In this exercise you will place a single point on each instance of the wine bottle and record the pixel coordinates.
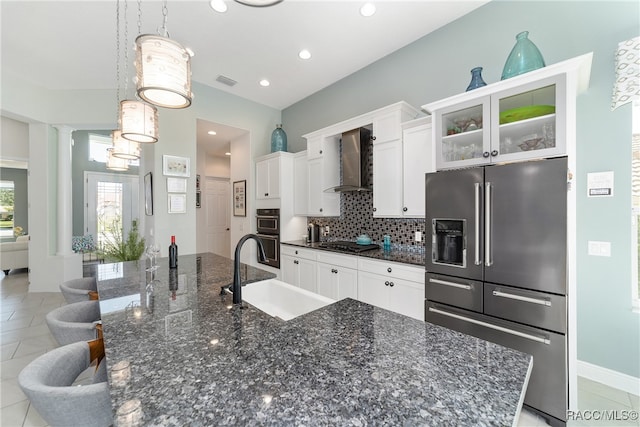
(173, 253)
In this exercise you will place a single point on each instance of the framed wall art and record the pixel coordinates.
(148, 194)
(177, 203)
(240, 198)
(176, 185)
(175, 166)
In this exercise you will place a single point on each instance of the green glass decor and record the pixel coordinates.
(278, 139)
(524, 57)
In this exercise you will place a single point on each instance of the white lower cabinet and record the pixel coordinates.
(395, 287)
(298, 267)
(337, 276)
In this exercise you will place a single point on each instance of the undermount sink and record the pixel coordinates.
(282, 300)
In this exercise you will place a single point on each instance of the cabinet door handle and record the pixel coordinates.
(494, 153)
(488, 262)
(320, 151)
(485, 154)
(266, 194)
(320, 209)
(404, 209)
(374, 209)
(389, 270)
(386, 283)
(295, 261)
(373, 138)
(452, 284)
(391, 284)
(296, 252)
(522, 298)
(543, 340)
(476, 248)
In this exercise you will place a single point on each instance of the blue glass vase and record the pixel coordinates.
(524, 57)
(476, 79)
(278, 139)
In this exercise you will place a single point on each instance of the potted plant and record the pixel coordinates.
(116, 248)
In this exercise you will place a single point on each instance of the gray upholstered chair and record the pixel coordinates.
(74, 322)
(79, 289)
(48, 383)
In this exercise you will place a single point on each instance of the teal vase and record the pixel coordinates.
(476, 79)
(278, 139)
(524, 57)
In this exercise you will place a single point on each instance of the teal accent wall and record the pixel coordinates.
(20, 198)
(438, 66)
(80, 164)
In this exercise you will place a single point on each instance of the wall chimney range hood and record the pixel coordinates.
(354, 161)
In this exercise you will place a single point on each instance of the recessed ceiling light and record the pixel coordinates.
(368, 9)
(264, 82)
(259, 3)
(218, 5)
(227, 153)
(212, 132)
(304, 54)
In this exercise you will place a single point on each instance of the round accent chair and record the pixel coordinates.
(76, 290)
(48, 382)
(74, 322)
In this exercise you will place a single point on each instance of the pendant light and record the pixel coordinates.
(163, 69)
(124, 148)
(138, 120)
(116, 163)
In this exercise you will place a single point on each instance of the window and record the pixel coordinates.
(6, 209)
(98, 145)
(635, 205)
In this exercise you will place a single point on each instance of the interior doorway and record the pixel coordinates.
(218, 218)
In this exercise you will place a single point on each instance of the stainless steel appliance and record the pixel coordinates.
(313, 233)
(268, 230)
(347, 246)
(497, 265)
(354, 161)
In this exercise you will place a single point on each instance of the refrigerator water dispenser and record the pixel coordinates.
(449, 242)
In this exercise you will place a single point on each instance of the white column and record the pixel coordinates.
(65, 214)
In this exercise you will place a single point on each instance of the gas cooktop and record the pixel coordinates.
(347, 246)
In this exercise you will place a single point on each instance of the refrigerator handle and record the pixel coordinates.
(478, 261)
(487, 226)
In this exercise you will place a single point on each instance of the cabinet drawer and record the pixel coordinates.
(392, 269)
(539, 309)
(455, 291)
(298, 252)
(337, 260)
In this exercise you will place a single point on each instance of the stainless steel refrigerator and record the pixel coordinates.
(497, 265)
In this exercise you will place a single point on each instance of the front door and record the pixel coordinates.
(110, 199)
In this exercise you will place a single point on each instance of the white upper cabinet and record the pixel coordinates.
(399, 167)
(268, 177)
(417, 160)
(525, 117)
(323, 172)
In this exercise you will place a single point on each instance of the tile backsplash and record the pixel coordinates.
(356, 217)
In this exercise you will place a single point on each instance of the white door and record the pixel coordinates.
(111, 203)
(218, 222)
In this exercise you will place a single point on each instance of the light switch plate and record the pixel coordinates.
(599, 248)
(418, 236)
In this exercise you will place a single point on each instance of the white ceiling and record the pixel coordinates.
(72, 44)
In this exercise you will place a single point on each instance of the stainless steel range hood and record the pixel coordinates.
(354, 159)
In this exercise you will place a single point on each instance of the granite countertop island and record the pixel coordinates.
(196, 360)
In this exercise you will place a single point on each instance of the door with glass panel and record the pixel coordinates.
(111, 204)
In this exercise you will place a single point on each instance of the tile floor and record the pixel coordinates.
(24, 335)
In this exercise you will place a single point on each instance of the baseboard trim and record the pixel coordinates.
(609, 377)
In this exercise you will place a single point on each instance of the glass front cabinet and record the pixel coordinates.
(524, 122)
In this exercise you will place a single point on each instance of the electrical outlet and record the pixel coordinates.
(418, 236)
(326, 229)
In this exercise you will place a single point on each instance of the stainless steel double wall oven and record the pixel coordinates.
(268, 230)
